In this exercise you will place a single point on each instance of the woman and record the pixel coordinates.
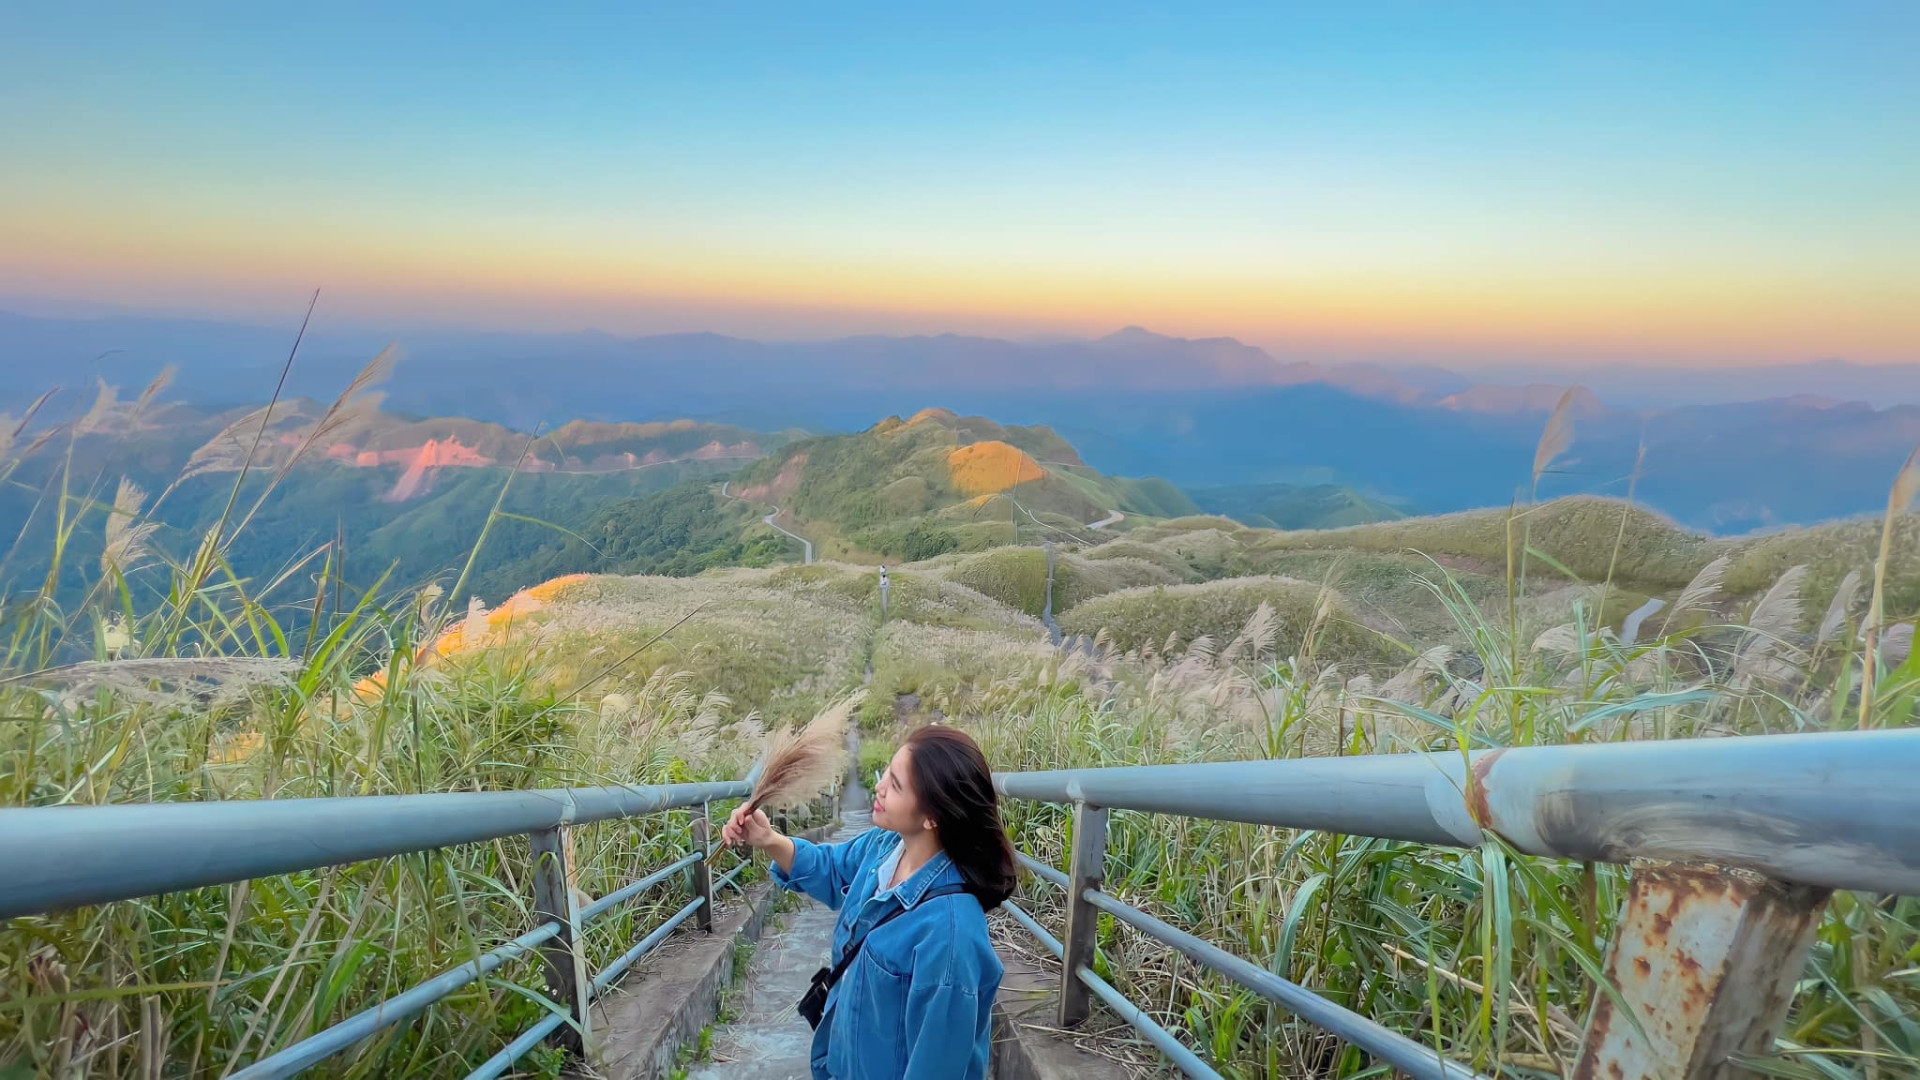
(916, 1000)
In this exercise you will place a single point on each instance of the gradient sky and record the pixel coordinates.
(1699, 182)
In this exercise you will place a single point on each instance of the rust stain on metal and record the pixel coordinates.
(1705, 958)
(1477, 789)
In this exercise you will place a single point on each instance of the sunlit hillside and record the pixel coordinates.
(167, 674)
(939, 482)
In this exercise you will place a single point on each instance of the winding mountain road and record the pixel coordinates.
(1114, 518)
(804, 542)
(726, 491)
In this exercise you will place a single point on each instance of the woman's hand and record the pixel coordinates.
(753, 829)
(756, 831)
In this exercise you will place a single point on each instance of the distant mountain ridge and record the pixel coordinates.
(219, 358)
(405, 495)
(365, 436)
(1200, 412)
(1532, 398)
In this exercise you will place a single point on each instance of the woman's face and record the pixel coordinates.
(896, 806)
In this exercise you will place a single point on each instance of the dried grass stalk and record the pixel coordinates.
(1202, 649)
(1906, 486)
(11, 429)
(1767, 654)
(127, 535)
(581, 897)
(170, 680)
(99, 418)
(1896, 645)
(1778, 613)
(1255, 639)
(1563, 639)
(160, 382)
(1703, 588)
(1836, 617)
(358, 401)
(800, 765)
(227, 451)
(1557, 437)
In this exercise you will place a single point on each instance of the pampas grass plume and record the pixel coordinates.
(1557, 437)
(799, 765)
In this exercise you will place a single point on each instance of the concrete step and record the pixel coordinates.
(767, 1040)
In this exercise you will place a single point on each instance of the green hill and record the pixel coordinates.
(675, 533)
(939, 482)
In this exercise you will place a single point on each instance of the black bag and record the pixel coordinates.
(814, 1004)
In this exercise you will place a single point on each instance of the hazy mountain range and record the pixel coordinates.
(1206, 412)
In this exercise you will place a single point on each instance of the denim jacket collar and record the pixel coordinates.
(940, 870)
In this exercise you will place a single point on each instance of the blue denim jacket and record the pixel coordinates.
(918, 1001)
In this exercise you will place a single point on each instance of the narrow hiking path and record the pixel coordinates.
(1076, 643)
(1046, 613)
(726, 491)
(766, 1039)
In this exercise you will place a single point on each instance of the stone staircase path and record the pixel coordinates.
(766, 1039)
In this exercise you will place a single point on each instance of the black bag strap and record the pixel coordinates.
(853, 950)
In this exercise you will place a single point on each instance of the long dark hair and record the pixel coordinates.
(955, 789)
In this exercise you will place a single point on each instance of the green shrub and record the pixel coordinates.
(876, 752)
(912, 541)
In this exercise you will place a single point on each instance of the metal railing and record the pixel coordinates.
(1735, 845)
(64, 857)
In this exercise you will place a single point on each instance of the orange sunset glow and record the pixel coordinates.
(1533, 195)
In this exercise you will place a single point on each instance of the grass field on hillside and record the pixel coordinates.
(1366, 922)
(1017, 577)
(182, 680)
(174, 678)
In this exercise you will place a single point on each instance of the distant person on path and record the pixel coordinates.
(916, 970)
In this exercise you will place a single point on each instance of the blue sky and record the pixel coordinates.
(1701, 182)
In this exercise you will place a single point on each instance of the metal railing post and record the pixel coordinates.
(1705, 958)
(703, 870)
(1087, 870)
(1049, 608)
(566, 961)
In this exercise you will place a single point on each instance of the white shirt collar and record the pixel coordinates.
(885, 871)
